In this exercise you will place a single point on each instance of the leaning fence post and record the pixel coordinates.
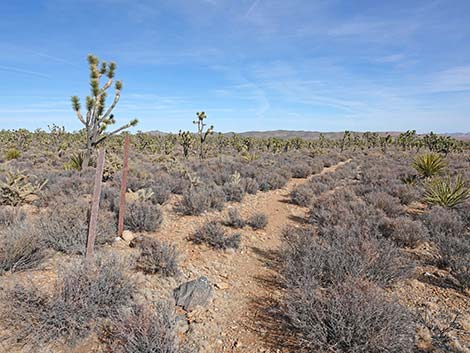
(95, 205)
(122, 196)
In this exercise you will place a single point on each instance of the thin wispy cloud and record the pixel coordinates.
(393, 58)
(252, 7)
(19, 70)
(454, 79)
(53, 58)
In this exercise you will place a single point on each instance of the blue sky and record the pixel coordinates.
(325, 65)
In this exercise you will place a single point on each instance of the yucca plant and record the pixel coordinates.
(76, 162)
(12, 153)
(445, 191)
(429, 164)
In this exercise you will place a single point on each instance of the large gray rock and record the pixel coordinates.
(193, 293)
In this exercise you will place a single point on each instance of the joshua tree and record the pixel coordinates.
(322, 140)
(97, 118)
(201, 133)
(385, 141)
(407, 139)
(346, 140)
(440, 144)
(186, 140)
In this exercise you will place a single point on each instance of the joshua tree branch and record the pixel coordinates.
(112, 106)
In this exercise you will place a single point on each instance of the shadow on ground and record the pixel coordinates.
(268, 319)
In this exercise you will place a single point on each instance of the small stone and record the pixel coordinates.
(182, 324)
(222, 285)
(194, 293)
(128, 235)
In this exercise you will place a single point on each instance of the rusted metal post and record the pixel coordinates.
(122, 196)
(95, 205)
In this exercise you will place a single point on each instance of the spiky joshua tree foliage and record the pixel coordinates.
(98, 117)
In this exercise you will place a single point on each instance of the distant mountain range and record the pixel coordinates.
(313, 135)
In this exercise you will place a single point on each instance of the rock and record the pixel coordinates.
(128, 235)
(221, 285)
(194, 293)
(182, 324)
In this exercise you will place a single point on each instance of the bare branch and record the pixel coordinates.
(112, 106)
(104, 137)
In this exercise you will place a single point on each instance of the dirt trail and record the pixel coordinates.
(244, 280)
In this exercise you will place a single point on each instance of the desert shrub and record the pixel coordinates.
(302, 195)
(340, 209)
(445, 191)
(329, 260)
(385, 202)
(406, 193)
(64, 227)
(257, 221)
(454, 253)
(142, 216)
(321, 183)
(448, 231)
(346, 171)
(463, 211)
(110, 198)
(69, 183)
(179, 184)
(405, 231)
(301, 170)
(83, 293)
(443, 223)
(353, 317)
(199, 199)
(233, 192)
(161, 189)
(10, 215)
(271, 180)
(328, 161)
(136, 180)
(20, 247)
(213, 234)
(196, 200)
(156, 257)
(161, 193)
(142, 330)
(234, 219)
(409, 179)
(250, 185)
(217, 198)
(12, 153)
(429, 164)
(315, 167)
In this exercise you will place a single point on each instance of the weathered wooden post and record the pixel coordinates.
(122, 196)
(95, 205)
